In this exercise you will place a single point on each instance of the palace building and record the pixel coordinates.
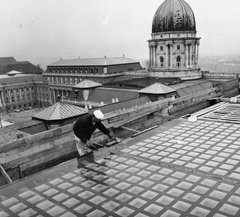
(66, 73)
(22, 91)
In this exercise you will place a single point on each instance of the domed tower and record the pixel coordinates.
(174, 47)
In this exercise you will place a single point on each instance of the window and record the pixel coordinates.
(161, 62)
(178, 47)
(178, 61)
(161, 48)
(193, 59)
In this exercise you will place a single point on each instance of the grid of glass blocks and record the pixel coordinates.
(124, 186)
(207, 147)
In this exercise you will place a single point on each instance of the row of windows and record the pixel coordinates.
(162, 47)
(178, 61)
(62, 80)
(19, 89)
(28, 97)
(73, 70)
(18, 99)
(24, 106)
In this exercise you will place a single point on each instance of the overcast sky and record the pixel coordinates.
(43, 31)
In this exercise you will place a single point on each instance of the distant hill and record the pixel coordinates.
(220, 64)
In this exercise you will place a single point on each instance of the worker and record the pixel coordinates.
(83, 129)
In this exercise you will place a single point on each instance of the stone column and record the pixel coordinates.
(153, 62)
(186, 54)
(190, 59)
(153, 48)
(54, 96)
(3, 99)
(50, 95)
(1, 104)
(15, 95)
(156, 60)
(25, 91)
(9, 96)
(166, 54)
(197, 52)
(150, 56)
(171, 54)
(30, 90)
(20, 92)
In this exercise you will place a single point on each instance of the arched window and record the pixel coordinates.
(193, 57)
(161, 62)
(178, 61)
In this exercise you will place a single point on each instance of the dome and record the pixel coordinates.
(173, 15)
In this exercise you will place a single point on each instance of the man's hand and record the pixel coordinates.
(111, 136)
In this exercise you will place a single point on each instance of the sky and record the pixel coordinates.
(43, 31)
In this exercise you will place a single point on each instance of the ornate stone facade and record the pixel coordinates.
(174, 47)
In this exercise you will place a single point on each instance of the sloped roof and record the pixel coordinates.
(59, 111)
(19, 78)
(140, 82)
(106, 95)
(125, 104)
(24, 66)
(87, 84)
(94, 61)
(157, 88)
(7, 60)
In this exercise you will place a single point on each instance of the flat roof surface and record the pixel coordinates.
(94, 61)
(181, 168)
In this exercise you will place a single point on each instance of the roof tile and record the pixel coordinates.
(157, 88)
(87, 84)
(60, 111)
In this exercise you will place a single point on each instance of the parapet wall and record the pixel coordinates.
(19, 155)
(28, 155)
